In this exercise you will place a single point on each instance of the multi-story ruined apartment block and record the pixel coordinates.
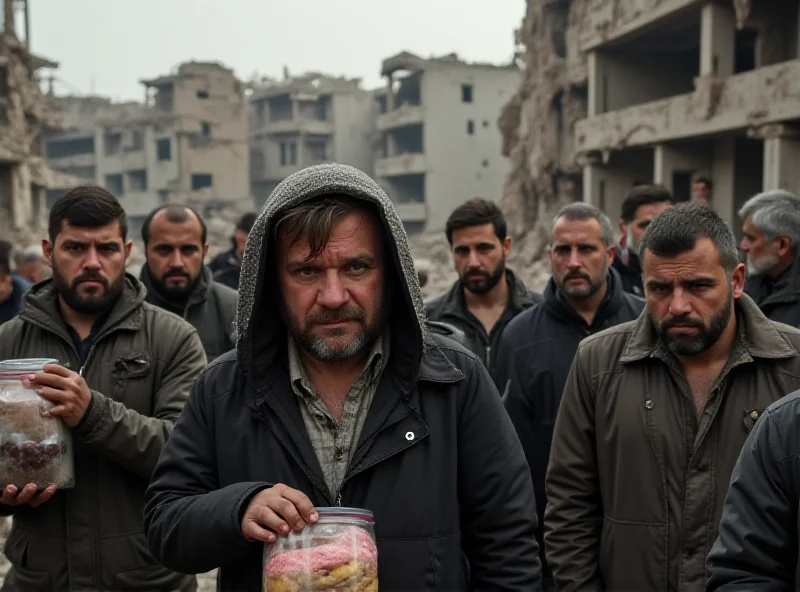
(439, 144)
(682, 88)
(307, 120)
(188, 142)
(25, 114)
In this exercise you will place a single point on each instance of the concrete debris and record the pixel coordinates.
(537, 123)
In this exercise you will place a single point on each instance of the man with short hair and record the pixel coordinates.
(178, 280)
(31, 265)
(639, 208)
(338, 396)
(124, 371)
(584, 296)
(226, 266)
(771, 235)
(12, 287)
(702, 191)
(487, 294)
(655, 412)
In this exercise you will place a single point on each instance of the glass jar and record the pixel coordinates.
(35, 447)
(336, 553)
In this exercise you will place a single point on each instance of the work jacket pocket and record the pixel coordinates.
(21, 578)
(632, 555)
(132, 380)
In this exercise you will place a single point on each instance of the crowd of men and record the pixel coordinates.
(627, 429)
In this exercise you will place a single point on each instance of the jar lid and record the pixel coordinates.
(337, 512)
(25, 365)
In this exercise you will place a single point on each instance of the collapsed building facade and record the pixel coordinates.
(187, 143)
(620, 92)
(26, 113)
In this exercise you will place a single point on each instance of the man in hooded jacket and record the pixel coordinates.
(338, 395)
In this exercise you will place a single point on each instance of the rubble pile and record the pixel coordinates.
(537, 123)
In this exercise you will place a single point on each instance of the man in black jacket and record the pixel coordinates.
(641, 205)
(487, 295)
(226, 266)
(178, 280)
(759, 535)
(339, 395)
(583, 296)
(771, 235)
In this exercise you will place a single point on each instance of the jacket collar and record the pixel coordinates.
(557, 306)
(199, 295)
(786, 287)
(519, 297)
(40, 307)
(757, 335)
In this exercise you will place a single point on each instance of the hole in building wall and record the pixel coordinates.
(470, 127)
(202, 94)
(466, 93)
(745, 58)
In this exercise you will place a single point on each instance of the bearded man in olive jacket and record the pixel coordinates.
(124, 372)
(655, 412)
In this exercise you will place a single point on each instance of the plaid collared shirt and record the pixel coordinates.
(335, 442)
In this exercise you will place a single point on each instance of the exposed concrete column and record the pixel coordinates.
(594, 181)
(301, 150)
(664, 164)
(781, 157)
(723, 176)
(389, 93)
(294, 107)
(717, 40)
(595, 76)
(21, 202)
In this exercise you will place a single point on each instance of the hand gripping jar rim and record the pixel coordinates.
(337, 514)
(14, 368)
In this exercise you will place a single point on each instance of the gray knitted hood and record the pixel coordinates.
(260, 326)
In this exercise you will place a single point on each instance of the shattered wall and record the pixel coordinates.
(538, 123)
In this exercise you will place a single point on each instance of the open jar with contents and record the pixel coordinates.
(35, 447)
(336, 553)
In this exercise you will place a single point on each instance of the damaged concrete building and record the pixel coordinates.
(618, 92)
(306, 120)
(188, 142)
(438, 144)
(26, 113)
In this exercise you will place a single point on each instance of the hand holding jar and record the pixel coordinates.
(277, 510)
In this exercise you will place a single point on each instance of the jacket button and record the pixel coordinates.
(409, 436)
(754, 415)
(649, 404)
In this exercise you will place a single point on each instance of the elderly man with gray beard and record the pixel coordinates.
(771, 234)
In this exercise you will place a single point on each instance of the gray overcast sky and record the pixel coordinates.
(109, 45)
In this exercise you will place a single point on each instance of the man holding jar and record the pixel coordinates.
(339, 395)
(125, 370)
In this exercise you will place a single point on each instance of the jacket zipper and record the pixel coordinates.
(88, 357)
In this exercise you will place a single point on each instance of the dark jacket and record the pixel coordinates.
(636, 480)
(142, 366)
(437, 462)
(536, 353)
(451, 308)
(211, 309)
(11, 307)
(759, 533)
(225, 268)
(630, 272)
(779, 298)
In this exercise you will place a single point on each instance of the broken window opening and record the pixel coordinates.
(288, 153)
(205, 129)
(202, 181)
(470, 127)
(61, 148)
(137, 180)
(112, 144)
(136, 141)
(202, 94)
(113, 184)
(745, 59)
(466, 93)
(317, 151)
(163, 195)
(164, 149)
